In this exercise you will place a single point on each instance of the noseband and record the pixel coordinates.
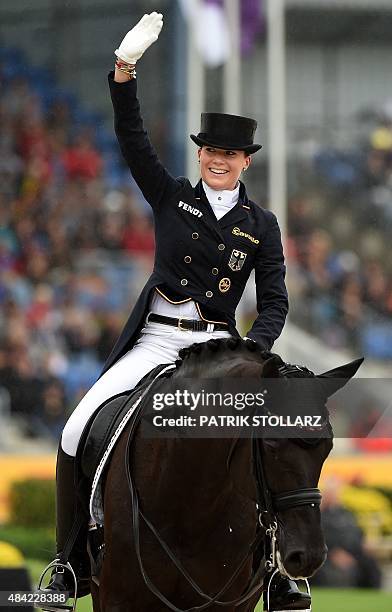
(298, 497)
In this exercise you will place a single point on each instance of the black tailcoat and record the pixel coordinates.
(198, 257)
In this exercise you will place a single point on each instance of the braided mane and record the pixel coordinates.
(191, 356)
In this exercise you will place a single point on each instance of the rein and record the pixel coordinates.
(268, 504)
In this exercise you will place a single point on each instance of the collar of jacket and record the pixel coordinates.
(235, 215)
(224, 198)
(242, 197)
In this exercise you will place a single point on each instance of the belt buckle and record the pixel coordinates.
(180, 319)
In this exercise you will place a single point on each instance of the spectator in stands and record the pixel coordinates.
(350, 309)
(375, 286)
(52, 417)
(82, 160)
(138, 236)
(348, 564)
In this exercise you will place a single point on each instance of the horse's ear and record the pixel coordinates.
(345, 371)
(335, 379)
(270, 369)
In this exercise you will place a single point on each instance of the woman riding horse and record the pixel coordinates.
(208, 240)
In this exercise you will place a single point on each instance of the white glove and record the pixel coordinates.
(140, 38)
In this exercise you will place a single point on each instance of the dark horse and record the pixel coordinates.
(191, 533)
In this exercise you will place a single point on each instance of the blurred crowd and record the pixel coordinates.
(340, 225)
(73, 252)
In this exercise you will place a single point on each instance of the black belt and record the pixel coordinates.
(186, 324)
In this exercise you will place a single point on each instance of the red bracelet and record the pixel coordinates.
(128, 69)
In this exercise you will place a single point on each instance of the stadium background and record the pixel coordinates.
(76, 239)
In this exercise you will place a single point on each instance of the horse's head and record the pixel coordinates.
(289, 465)
(294, 464)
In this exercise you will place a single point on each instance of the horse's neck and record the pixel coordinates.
(220, 365)
(200, 473)
(196, 468)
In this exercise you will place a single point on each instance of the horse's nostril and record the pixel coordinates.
(295, 561)
(304, 563)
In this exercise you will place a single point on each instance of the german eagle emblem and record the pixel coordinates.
(237, 259)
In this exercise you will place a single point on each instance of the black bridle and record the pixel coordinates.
(273, 503)
(268, 504)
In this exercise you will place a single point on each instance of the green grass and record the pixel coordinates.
(323, 600)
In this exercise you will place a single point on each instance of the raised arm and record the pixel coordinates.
(155, 182)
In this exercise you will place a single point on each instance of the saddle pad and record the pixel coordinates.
(103, 423)
(101, 428)
(96, 498)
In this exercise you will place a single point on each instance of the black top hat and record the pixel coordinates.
(227, 132)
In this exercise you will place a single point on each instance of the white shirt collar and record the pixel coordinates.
(225, 198)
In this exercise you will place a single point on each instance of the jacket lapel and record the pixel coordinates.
(234, 216)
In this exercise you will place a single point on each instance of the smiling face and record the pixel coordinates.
(221, 168)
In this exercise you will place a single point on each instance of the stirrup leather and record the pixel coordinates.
(269, 590)
(55, 606)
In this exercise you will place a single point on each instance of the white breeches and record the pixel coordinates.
(157, 344)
